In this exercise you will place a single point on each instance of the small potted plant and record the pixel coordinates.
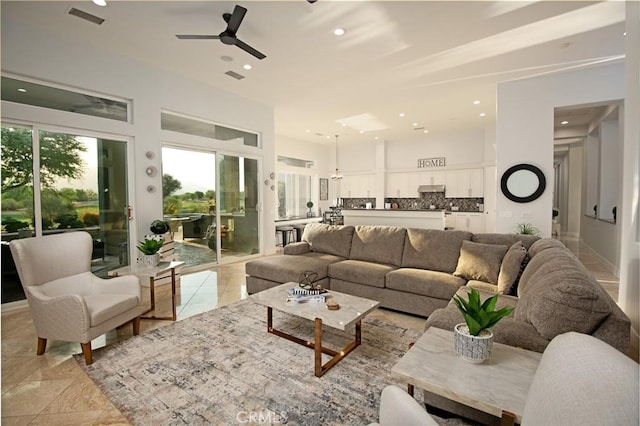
(526, 229)
(149, 248)
(473, 338)
(309, 206)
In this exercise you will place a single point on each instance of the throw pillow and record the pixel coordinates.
(480, 261)
(510, 268)
(514, 288)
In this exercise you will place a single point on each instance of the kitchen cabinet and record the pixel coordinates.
(402, 185)
(432, 178)
(464, 183)
(357, 186)
(465, 221)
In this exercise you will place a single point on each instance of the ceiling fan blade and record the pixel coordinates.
(197, 37)
(242, 45)
(236, 19)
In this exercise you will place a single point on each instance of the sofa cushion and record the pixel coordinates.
(561, 296)
(330, 239)
(427, 283)
(379, 244)
(510, 268)
(480, 261)
(285, 268)
(505, 239)
(544, 244)
(493, 288)
(433, 249)
(360, 272)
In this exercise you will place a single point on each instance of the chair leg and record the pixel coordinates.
(42, 345)
(86, 350)
(136, 326)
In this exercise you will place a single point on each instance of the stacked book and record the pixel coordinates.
(299, 295)
(167, 254)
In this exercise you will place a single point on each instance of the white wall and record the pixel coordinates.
(33, 52)
(460, 149)
(574, 198)
(524, 130)
(629, 295)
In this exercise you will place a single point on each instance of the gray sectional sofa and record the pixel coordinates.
(418, 271)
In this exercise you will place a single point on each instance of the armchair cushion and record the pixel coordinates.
(103, 307)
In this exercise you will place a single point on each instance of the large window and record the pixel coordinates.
(47, 96)
(206, 129)
(294, 192)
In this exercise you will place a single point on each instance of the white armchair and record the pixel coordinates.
(67, 301)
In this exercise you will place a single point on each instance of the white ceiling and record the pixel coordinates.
(427, 59)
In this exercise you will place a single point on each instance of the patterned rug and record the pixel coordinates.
(222, 367)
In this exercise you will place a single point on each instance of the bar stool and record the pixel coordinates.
(287, 234)
(299, 231)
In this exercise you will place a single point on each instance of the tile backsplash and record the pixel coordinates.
(437, 199)
(419, 203)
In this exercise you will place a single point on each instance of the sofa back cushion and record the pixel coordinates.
(505, 239)
(480, 261)
(560, 295)
(379, 244)
(510, 268)
(330, 239)
(543, 244)
(433, 249)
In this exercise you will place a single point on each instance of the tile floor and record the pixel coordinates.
(53, 390)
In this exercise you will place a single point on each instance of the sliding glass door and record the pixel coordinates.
(79, 182)
(210, 203)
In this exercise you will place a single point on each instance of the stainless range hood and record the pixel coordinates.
(430, 188)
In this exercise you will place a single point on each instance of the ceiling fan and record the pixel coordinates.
(228, 36)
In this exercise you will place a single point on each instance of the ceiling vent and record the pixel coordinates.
(86, 16)
(418, 128)
(234, 75)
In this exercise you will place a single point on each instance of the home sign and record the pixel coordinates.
(431, 162)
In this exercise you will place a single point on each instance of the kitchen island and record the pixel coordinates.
(424, 219)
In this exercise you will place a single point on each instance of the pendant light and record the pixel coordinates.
(337, 175)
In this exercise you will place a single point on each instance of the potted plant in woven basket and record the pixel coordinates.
(149, 248)
(473, 339)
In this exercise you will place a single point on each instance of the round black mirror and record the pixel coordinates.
(523, 183)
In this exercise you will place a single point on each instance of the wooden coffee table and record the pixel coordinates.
(352, 310)
(499, 386)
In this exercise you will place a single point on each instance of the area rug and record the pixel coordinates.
(222, 367)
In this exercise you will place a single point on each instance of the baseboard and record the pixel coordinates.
(610, 266)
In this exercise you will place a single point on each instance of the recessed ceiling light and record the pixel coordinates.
(344, 124)
(226, 58)
(247, 66)
(426, 131)
(339, 31)
(415, 124)
(308, 131)
(564, 122)
(476, 102)
(22, 90)
(100, 2)
(361, 131)
(482, 114)
(624, 33)
(376, 138)
(327, 136)
(402, 114)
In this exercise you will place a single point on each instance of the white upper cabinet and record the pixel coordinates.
(432, 178)
(402, 185)
(357, 186)
(464, 183)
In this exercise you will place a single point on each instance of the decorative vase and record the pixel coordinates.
(150, 259)
(473, 349)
